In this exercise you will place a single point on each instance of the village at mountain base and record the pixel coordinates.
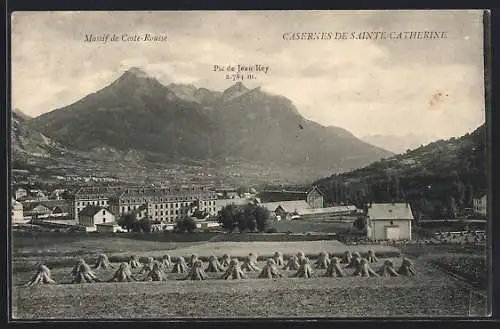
(96, 209)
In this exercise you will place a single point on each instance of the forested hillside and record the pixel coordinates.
(439, 180)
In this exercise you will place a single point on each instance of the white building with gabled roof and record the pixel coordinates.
(480, 205)
(389, 221)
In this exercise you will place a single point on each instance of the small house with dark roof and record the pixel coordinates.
(389, 221)
(92, 215)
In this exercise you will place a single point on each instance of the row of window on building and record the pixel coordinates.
(83, 204)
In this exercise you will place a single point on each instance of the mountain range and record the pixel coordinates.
(179, 123)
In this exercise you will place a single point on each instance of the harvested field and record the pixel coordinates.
(267, 249)
(155, 300)
(300, 226)
(234, 249)
(62, 275)
(428, 294)
(83, 245)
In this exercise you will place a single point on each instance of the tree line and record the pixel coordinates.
(244, 218)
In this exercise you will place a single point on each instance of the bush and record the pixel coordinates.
(272, 230)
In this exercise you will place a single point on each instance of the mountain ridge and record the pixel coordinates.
(181, 122)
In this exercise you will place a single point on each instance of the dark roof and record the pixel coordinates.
(278, 196)
(91, 210)
(479, 194)
(317, 188)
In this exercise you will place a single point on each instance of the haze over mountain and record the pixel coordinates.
(178, 123)
(398, 143)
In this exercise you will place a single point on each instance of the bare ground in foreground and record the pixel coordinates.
(430, 293)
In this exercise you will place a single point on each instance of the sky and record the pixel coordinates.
(388, 87)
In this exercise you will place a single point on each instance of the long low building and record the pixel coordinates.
(286, 209)
(329, 212)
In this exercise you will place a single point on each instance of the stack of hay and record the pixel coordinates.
(42, 276)
(123, 274)
(103, 262)
(82, 273)
(196, 272)
(323, 260)
(305, 269)
(213, 265)
(250, 263)
(292, 264)
(180, 265)
(234, 271)
(334, 269)
(156, 273)
(270, 270)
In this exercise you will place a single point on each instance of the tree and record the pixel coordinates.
(227, 217)
(252, 224)
(249, 221)
(262, 216)
(242, 220)
(145, 225)
(186, 224)
(360, 223)
(128, 221)
(249, 217)
(453, 207)
(200, 214)
(426, 208)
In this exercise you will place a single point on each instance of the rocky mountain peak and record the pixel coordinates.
(234, 91)
(137, 72)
